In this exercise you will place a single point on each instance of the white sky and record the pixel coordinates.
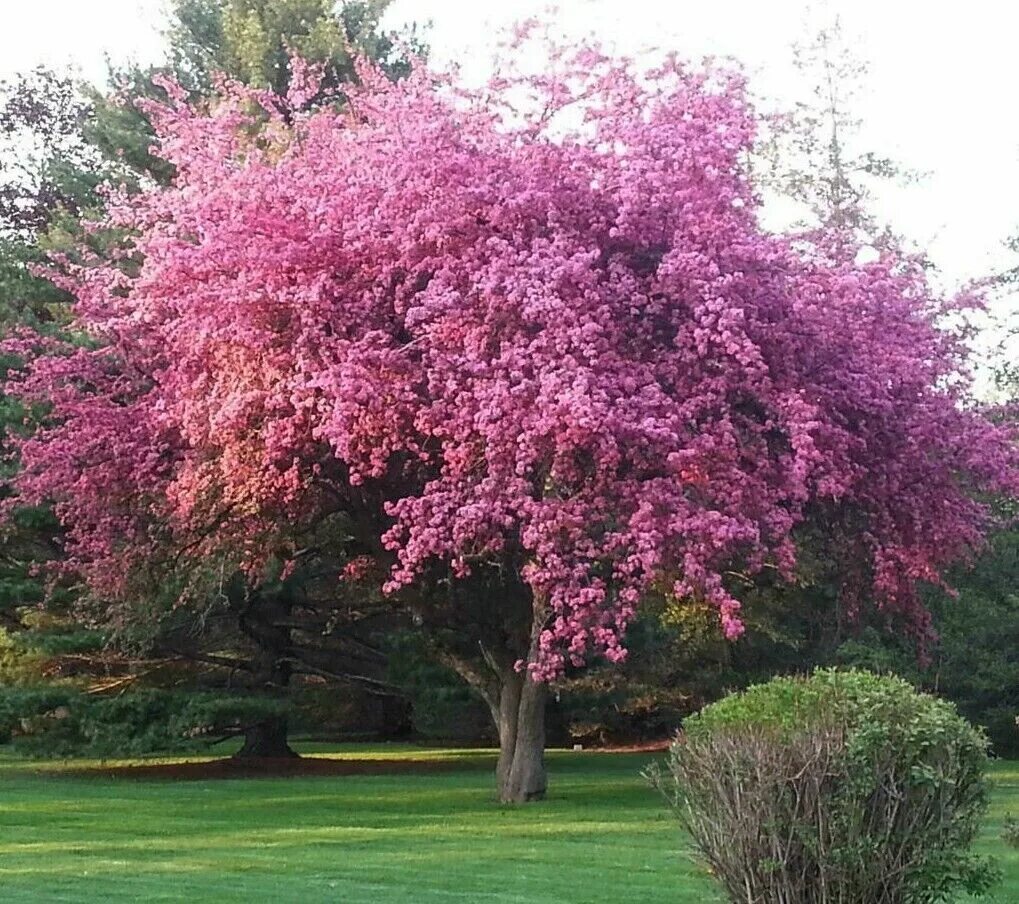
(940, 98)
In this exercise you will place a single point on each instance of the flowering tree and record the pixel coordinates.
(512, 358)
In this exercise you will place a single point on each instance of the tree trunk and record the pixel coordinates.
(397, 718)
(263, 620)
(266, 739)
(515, 700)
(520, 717)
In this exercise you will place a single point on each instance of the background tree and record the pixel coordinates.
(44, 182)
(253, 40)
(812, 155)
(250, 41)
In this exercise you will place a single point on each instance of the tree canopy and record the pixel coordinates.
(532, 334)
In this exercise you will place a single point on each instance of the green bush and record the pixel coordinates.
(842, 787)
(1010, 832)
(20, 707)
(443, 707)
(54, 721)
(18, 664)
(32, 656)
(607, 706)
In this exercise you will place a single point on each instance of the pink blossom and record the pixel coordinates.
(567, 346)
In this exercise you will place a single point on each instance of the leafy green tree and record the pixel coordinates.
(252, 40)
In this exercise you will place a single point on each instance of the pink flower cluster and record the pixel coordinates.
(555, 337)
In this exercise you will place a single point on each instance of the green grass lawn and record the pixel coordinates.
(600, 837)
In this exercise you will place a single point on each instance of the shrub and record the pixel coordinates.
(61, 721)
(842, 787)
(19, 665)
(40, 651)
(607, 706)
(23, 708)
(1010, 832)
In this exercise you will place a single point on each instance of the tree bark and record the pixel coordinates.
(263, 620)
(485, 655)
(266, 739)
(520, 717)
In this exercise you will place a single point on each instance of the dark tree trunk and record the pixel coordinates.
(520, 718)
(492, 623)
(515, 700)
(264, 620)
(397, 718)
(266, 739)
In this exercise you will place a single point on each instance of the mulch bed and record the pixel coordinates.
(644, 747)
(267, 767)
(286, 767)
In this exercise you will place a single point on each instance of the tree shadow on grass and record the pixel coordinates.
(274, 767)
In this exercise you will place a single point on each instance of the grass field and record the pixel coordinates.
(600, 837)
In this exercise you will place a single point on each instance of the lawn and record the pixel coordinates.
(600, 837)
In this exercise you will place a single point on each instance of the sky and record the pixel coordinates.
(939, 96)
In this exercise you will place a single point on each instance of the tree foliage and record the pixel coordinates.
(973, 663)
(470, 341)
(505, 361)
(253, 40)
